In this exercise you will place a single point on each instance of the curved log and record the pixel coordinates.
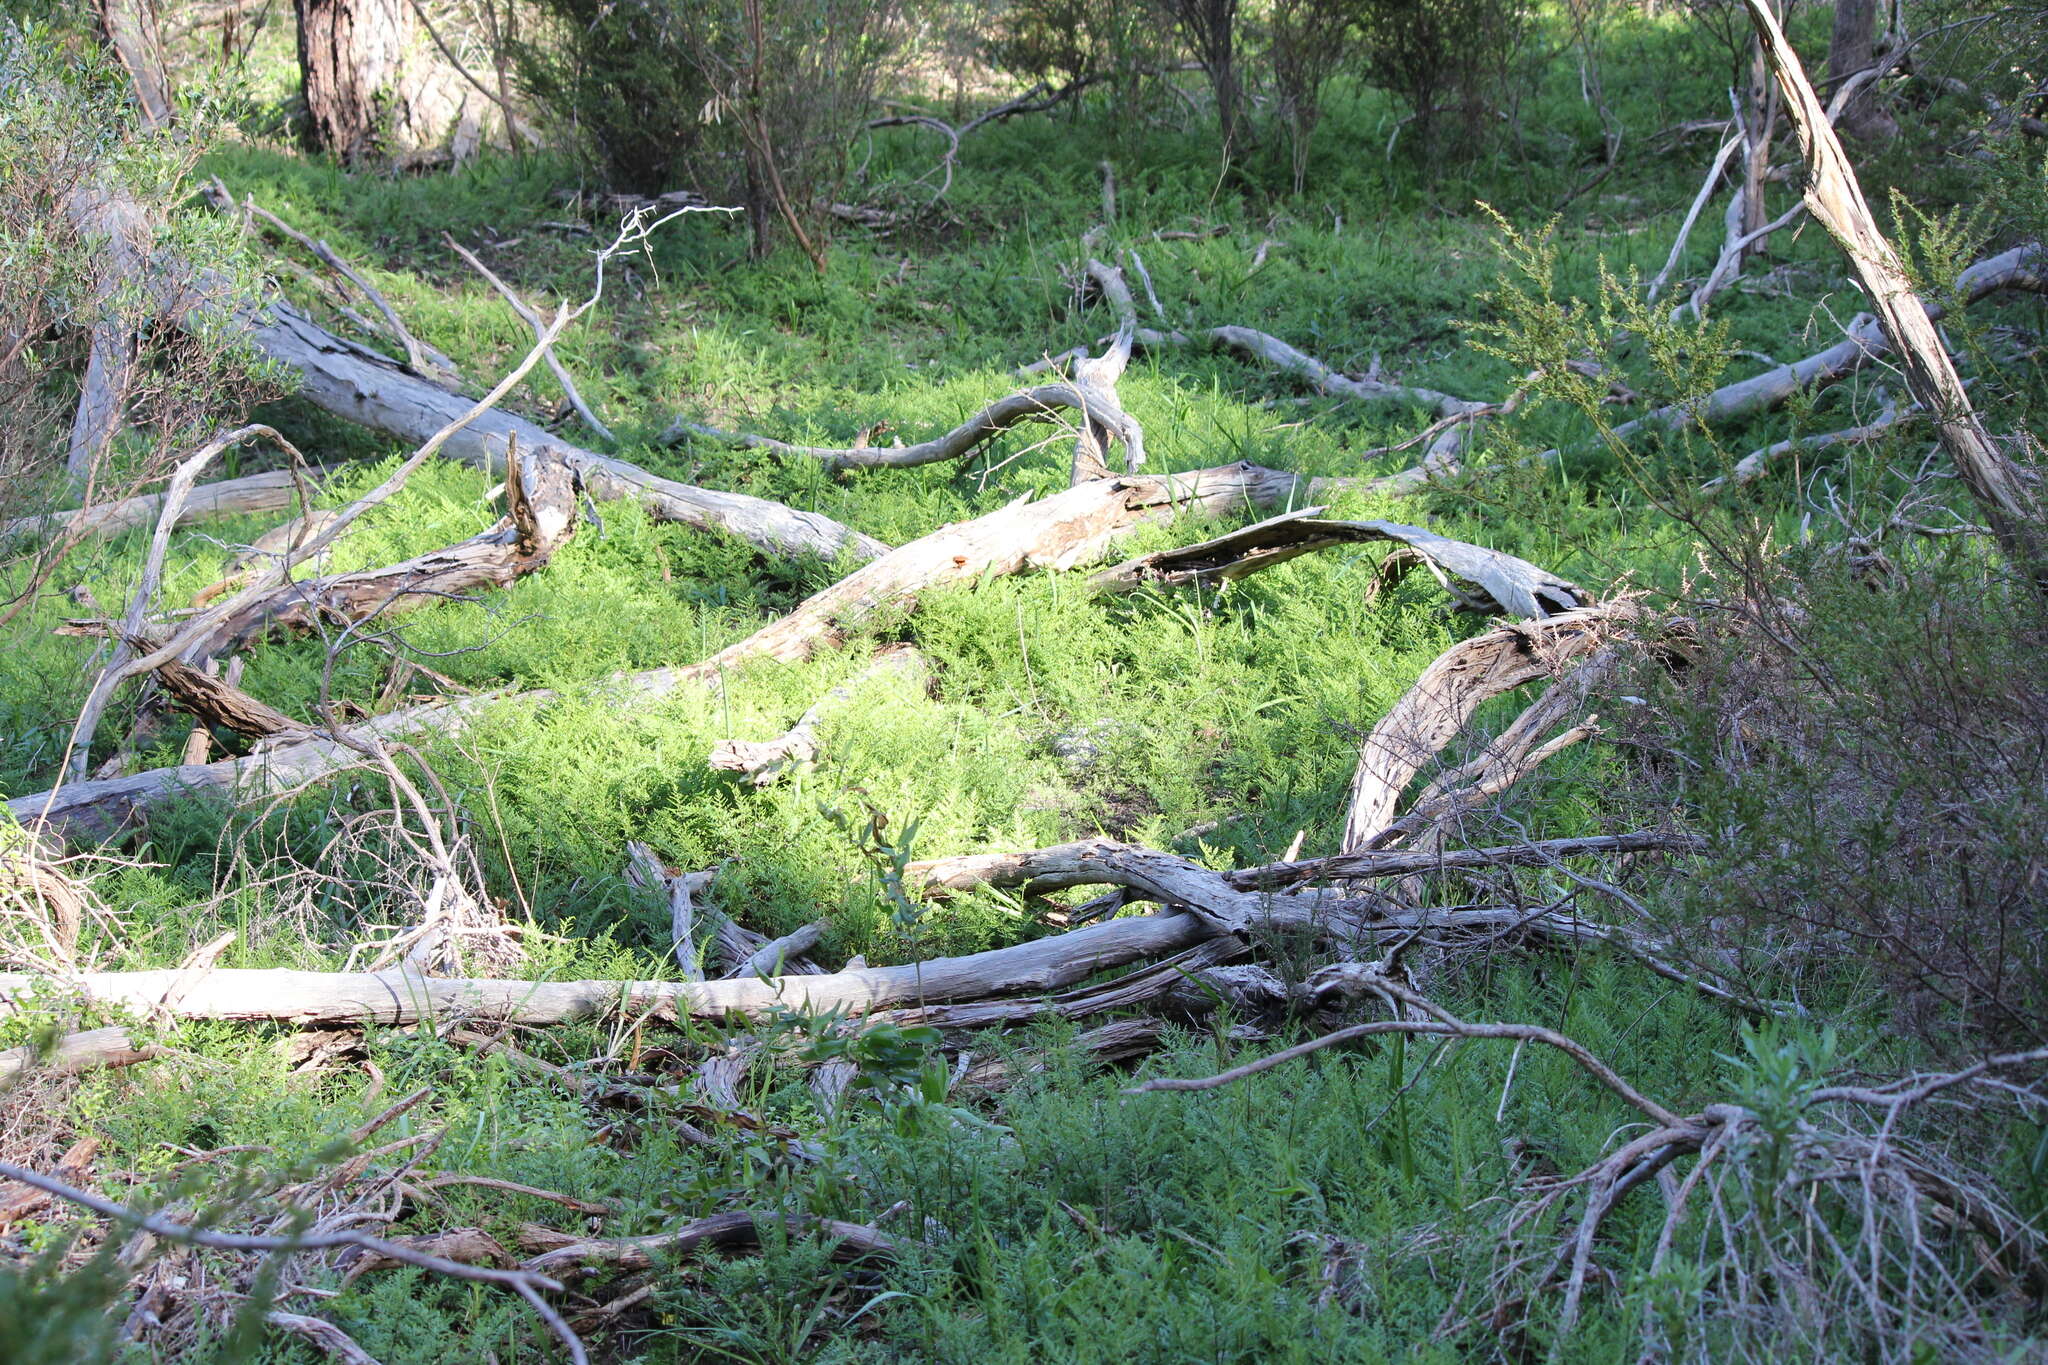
(1513, 586)
(1041, 404)
(1443, 699)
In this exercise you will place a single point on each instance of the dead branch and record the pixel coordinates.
(362, 386)
(322, 1335)
(1836, 199)
(533, 320)
(2023, 267)
(1757, 463)
(782, 955)
(1063, 531)
(1043, 403)
(403, 996)
(420, 358)
(645, 871)
(271, 491)
(527, 1283)
(1507, 584)
(1443, 699)
(540, 501)
(766, 761)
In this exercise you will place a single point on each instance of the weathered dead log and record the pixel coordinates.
(1835, 197)
(1043, 403)
(2023, 267)
(1513, 586)
(540, 502)
(1503, 761)
(1443, 699)
(766, 761)
(1128, 991)
(273, 490)
(358, 384)
(402, 996)
(75, 1052)
(1068, 529)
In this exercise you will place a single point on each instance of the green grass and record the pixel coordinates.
(1076, 1222)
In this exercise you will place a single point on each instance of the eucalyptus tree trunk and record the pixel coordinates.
(1852, 47)
(130, 30)
(350, 54)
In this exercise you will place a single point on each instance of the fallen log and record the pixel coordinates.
(540, 501)
(2023, 267)
(75, 1052)
(360, 385)
(356, 383)
(1443, 699)
(1513, 586)
(403, 996)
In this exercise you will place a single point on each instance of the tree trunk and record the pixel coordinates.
(350, 52)
(130, 29)
(1852, 48)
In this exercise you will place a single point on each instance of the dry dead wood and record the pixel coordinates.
(1442, 701)
(323, 1335)
(1069, 528)
(1371, 863)
(422, 359)
(359, 385)
(766, 761)
(1507, 584)
(2023, 267)
(273, 490)
(403, 996)
(646, 872)
(1757, 463)
(528, 1284)
(86, 1051)
(213, 699)
(533, 320)
(1121, 1040)
(1835, 197)
(1043, 403)
(1133, 989)
(540, 502)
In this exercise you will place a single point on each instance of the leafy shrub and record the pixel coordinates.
(1310, 40)
(71, 143)
(754, 101)
(1446, 59)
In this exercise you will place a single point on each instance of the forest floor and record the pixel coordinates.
(1340, 1209)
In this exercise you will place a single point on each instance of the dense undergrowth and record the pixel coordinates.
(1062, 1219)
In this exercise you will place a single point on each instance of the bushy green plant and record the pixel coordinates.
(84, 189)
(1450, 61)
(747, 101)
